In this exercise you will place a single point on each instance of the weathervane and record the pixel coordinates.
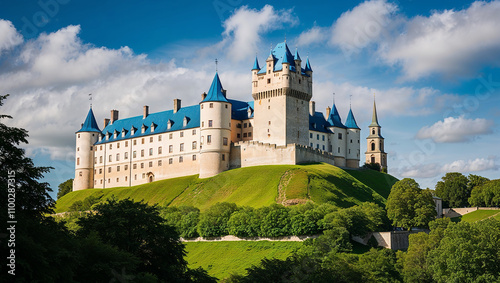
(334, 98)
(90, 98)
(216, 62)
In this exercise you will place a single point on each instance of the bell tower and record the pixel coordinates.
(375, 143)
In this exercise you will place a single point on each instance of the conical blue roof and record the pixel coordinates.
(215, 92)
(297, 56)
(90, 124)
(256, 64)
(308, 65)
(334, 118)
(351, 121)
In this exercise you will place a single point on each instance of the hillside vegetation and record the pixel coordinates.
(477, 215)
(256, 187)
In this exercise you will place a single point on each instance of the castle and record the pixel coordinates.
(280, 126)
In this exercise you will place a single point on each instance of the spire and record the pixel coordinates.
(256, 64)
(334, 119)
(351, 121)
(374, 116)
(297, 56)
(216, 91)
(308, 65)
(90, 124)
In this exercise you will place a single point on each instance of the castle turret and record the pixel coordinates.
(215, 129)
(86, 137)
(353, 145)
(375, 142)
(339, 137)
(281, 92)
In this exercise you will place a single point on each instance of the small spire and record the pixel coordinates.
(216, 63)
(308, 65)
(334, 98)
(297, 56)
(374, 115)
(256, 64)
(350, 101)
(90, 98)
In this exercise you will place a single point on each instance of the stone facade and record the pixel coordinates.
(280, 126)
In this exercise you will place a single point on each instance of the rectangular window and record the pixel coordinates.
(125, 167)
(249, 125)
(170, 160)
(150, 163)
(150, 151)
(111, 146)
(100, 171)
(323, 137)
(170, 148)
(181, 147)
(117, 157)
(142, 141)
(351, 140)
(211, 105)
(151, 139)
(311, 144)
(117, 168)
(134, 166)
(159, 162)
(194, 132)
(338, 149)
(209, 139)
(100, 159)
(109, 169)
(249, 134)
(181, 159)
(310, 135)
(181, 134)
(245, 125)
(126, 155)
(244, 135)
(117, 145)
(194, 157)
(134, 154)
(135, 142)
(210, 123)
(224, 141)
(142, 165)
(238, 126)
(223, 157)
(317, 137)
(110, 158)
(95, 160)
(170, 136)
(323, 147)
(126, 144)
(238, 136)
(194, 145)
(317, 146)
(159, 138)
(159, 150)
(142, 152)
(340, 136)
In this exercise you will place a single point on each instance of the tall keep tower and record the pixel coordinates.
(375, 143)
(215, 129)
(281, 90)
(86, 137)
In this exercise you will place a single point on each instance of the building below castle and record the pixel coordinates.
(279, 126)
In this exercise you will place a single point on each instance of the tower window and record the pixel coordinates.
(170, 136)
(77, 149)
(80, 174)
(142, 165)
(224, 141)
(317, 136)
(338, 149)
(142, 140)
(223, 157)
(151, 139)
(340, 136)
(211, 105)
(78, 135)
(181, 134)
(159, 162)
(210, 123)
(150, 163)
(78, 161)
(194, 132)
(126, 143)
(117, 168)
(310, 135)
(209, 139)
(373, 131)
(373, 146)
(117, 145)
(159, 138)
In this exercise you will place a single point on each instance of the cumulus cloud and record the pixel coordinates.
(449, 42)
(453, 129)
(364, 24)
(9, 37)
(421, 171)
(476, 165)
(244, 29)
(311, 36)
(51, 76)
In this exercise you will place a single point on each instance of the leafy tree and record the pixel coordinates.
(64, 188)
(184, 218)
(487, 194)
(275, 221)
(408, 206)
(468, 252)
(244, 223)
(379, 265)
(214, 221)
(358, 220)
(138, 229)
(454, 189)
(333, 240)
(474, 181)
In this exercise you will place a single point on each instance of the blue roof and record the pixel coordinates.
(297, 56)
(351, 121)
(256, 64)
(281, 54)
(318, 123)
(90, 124)
(334, 119)
(215, 92)
(308, 65)
(160, 119)
(239, 109)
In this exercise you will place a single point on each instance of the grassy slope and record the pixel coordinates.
(477, 215)
(256, 187)
(221, 259)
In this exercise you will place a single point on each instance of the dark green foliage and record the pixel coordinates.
(372, 166)
(487, 194)
(408, 206)
(334, 240)
(244, 223)
(87, 203)
(213, 222)
(183, 218)
(379, 265)
(138, 229)
(64, 188)
(275, 221)
(454, 190)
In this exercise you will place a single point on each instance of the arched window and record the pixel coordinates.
(373, 131)
(373, 146)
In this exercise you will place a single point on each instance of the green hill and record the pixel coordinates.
(256, 186)
(477, 215)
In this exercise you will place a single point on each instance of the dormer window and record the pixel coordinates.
(124, 132)
(153, 127)
(108, 134)
(100, 137)
(169, 124)
(185, 121)
(143, 128)
(249, 111)
(132, 130)
(115, 134)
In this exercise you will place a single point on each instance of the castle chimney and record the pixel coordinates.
(312, 107)
(328, 110)
(203, 95)
(106, 122)
(114, 115)
(145, 112)
(177, 105)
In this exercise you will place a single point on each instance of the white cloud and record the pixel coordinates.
(448, 42)
(311, 36)
(364, 24)
(456, 129)
(465, 166)
(420, 171)
(9, 37)
(243, 30)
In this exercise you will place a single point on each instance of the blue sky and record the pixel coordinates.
(434, 68)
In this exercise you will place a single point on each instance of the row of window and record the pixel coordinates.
(151, 139)
(211, 105)
(249, 134)
(142, 165)
(311, 135)
(245, 125)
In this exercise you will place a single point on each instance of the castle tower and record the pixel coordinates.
(375, 143)
(215, 129)
(353, 145)
(281, 90)
(86, 137)
(338, 143)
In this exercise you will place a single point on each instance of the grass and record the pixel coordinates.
(221, 259)
(256, 187)
(477, 215)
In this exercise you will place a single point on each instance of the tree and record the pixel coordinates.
(409, 206)
(138, 229)
(244, 223)
(474, 181)
(275, 221)
(379, 265)
(214, 221)
(64, 188)
(454, 189)
(487, 194)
